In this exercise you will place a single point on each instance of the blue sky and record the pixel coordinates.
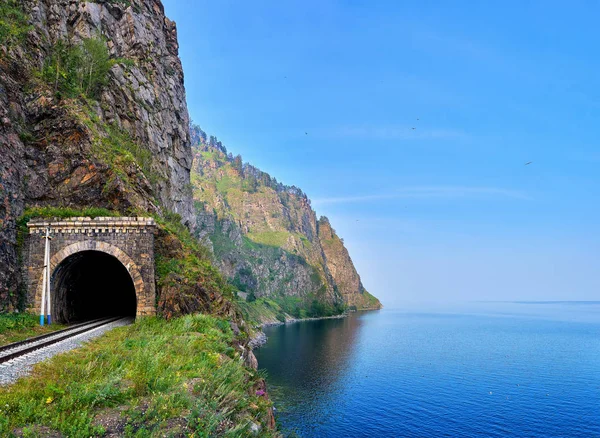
(325, 95)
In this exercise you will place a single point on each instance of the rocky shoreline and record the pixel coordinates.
(260, 338)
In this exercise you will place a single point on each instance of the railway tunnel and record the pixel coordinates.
(92, 284)
(98, 267)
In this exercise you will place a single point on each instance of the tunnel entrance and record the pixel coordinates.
(89, 285)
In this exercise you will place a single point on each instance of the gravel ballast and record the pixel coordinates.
(21, 366)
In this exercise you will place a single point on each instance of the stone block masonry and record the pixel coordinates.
(129, 239)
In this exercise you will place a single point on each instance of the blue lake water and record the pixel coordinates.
(479, 369)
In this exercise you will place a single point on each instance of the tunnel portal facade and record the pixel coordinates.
(98, 267)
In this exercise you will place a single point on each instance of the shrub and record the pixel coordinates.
(118, 148)
(16, 321)
(13, 22)
(66, 212)
(79, 69)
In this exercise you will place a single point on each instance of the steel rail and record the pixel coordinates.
(62, 335)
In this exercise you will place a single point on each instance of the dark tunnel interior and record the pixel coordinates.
(89, 285)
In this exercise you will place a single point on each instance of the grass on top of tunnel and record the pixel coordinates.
(152, 378)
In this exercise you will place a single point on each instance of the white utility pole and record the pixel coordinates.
(49, 282)
(46, 281)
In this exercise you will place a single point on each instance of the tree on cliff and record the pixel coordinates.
(79, 69)
(94, 66)
(237, 163)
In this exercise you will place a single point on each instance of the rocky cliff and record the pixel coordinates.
(119, 141)
(266, 237)
(93, 114)
(342, 269)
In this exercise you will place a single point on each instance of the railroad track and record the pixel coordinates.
(19, 349)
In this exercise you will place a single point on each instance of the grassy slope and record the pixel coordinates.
(263, 311)
(153, 378)
(370, 301)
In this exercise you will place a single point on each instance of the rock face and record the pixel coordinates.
(266, 237)
(68, 152)
(342, 269)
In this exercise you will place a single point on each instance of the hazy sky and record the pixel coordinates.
(324, 95)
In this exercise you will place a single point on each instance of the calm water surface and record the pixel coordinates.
(485, 369)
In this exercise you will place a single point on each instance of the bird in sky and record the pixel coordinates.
(528, 163)
(413, 128)
(306, 133)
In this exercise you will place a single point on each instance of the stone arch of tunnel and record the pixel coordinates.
(101, 266)
(93, 279)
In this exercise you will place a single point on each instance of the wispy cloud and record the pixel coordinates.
(428, 192)
(395, 132)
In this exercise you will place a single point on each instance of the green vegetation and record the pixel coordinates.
(125, 3)
(171, 222)
(119, 150)
(370, 301)
(190, 259)
(319, 308)
(16, 321)
(209, 156)
(152, 378)
(13, 22)
(276, 308)
(66, 212)
(222, 244)
(187, 280)
(190, 268)
(293, 306)
(114, 146)
(242, 277)
(15, 327)
(226, 183)
(313, 305)
(261, 310)
(58, 213)
(74, 70)
(250, 184)
(269, 238)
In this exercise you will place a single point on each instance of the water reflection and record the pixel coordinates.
(316, 353)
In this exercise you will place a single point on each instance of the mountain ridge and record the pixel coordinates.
(247, 217)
